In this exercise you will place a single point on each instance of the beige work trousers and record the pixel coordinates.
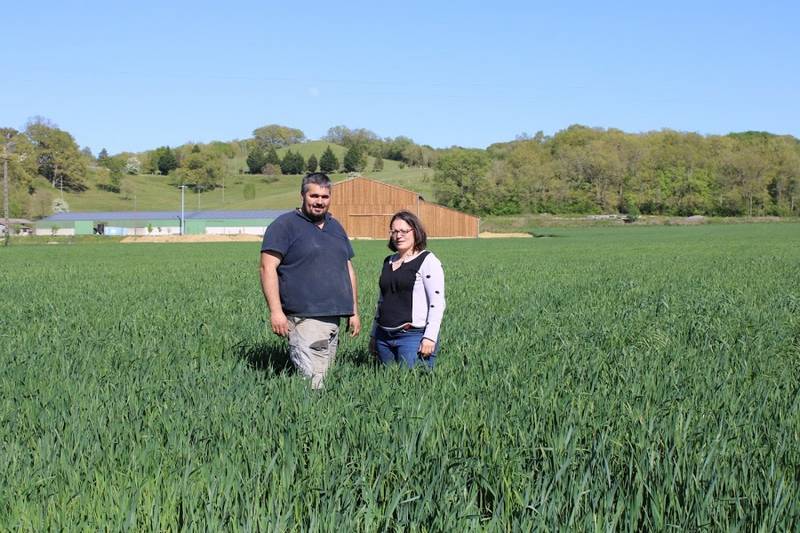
(312, 346)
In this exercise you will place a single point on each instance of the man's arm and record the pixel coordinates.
(269, 285)
(353, 322)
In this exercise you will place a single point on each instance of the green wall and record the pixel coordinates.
(84, 227)
(193, 226)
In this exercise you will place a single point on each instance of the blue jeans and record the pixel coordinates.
(402, 347)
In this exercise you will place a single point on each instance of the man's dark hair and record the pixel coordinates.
(317, 178)
(420, 237)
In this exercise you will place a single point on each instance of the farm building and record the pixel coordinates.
(157, 223)
(365, 206)
(17, 226)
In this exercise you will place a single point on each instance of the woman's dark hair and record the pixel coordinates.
(420, 237)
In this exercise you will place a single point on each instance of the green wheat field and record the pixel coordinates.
(597, 379)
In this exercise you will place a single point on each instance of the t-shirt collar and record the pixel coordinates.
(299, 212)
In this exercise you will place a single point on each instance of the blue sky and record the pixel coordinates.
(134, 76)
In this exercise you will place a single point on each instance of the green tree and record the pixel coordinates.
(256, 160)
(201, 172)
(414, 156)
(746, 169)
(593, 165)
(164, 160)
(328, 162)
(527, 172)
(311, 165)
(368, 141)
(460, 179)
(672, 173)
(355, 159)
(19, 155)
(377, 165)
(222, 149)
(784, 185)
(690, 194)
(337, 135)
(292, 163)
(287, 163)
(102, 156)
(395, 148)
(57, 154)
(277, 136)
(116, 170)
(272, 158)
(300, 163)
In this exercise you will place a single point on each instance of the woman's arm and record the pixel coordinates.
(433, 280)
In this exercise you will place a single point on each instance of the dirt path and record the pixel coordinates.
(257, 238)
(491, 235)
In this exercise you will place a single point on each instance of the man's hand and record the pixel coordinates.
(354, 325)
(426, 348)
(280, 325)
(354, 322)
(269, 285)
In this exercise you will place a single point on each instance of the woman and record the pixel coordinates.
(411, 301)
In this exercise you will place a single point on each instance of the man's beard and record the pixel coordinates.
(312, 216)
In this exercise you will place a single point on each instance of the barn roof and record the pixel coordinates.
(381, 183)
(149, 215)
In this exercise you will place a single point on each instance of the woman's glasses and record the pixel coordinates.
(396, 232)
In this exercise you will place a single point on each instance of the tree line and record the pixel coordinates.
(577, 170)
(594, 170)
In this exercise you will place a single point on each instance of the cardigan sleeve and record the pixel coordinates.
(433, 280)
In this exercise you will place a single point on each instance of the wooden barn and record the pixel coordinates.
(365, 206)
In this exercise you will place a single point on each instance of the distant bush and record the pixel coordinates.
(108, 187)
(133, 166)
(271, 170)
(60, 206)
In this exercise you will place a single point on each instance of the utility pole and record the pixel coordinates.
(8, 144)
(5, 195)
(183, 223)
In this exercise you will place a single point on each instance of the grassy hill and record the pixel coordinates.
(149, 192)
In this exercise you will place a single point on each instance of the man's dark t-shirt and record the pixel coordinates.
(313, 278)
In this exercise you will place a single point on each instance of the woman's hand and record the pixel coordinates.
(426, 347)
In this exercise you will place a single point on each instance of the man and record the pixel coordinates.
(308, 280)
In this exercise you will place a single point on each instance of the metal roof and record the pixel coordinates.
(160, 215)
